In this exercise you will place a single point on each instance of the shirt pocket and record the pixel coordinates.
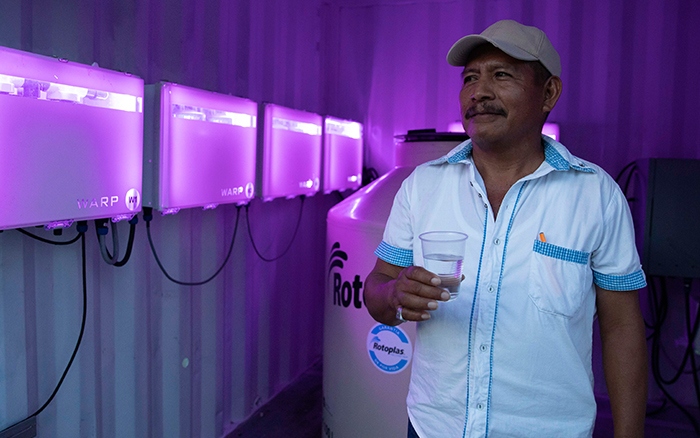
(559, 278)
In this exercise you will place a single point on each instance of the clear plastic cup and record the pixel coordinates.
(443, 254)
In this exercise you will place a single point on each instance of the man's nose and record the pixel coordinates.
(481, 91)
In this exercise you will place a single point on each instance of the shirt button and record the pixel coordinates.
(491, 288)
(480, 195)
(497, 241)
(471, 183)
(483, 347)
(480, 406)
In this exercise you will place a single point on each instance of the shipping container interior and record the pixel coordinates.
(161, 358)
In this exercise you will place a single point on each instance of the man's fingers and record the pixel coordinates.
(414, 315)
(417, 303)
(417, 281)
(421, 275)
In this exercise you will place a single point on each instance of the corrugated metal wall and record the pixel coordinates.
(158, 359)
(629, 87)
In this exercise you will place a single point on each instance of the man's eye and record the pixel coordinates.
(501, 74)
(469, 78)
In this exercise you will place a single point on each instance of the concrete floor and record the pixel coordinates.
(296, 413)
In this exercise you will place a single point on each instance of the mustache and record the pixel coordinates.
(484, 109)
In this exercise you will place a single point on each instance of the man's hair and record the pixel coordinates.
(541, 73)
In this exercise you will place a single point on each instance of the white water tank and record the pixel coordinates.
(367, 366)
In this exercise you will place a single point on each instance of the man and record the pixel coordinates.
(550, 244)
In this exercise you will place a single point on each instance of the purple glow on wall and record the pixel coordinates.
(70, 141)
(205, 151)
(291, 153)
(342, 155)
(551, 130)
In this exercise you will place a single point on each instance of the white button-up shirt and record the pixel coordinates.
(511, 356)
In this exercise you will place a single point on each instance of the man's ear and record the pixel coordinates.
(552, 92)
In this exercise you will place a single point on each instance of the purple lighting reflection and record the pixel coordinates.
(291, 153)
(205, 151)
(71, 141)
(551, 130)
(342, 163)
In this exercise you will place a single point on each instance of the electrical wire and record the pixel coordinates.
(51, 242)
(129, 246)
(148, 217)
(106, 256)
(691, 337)
(660, 310)
(619, 175)
(689, 349)
(77, 345)
(658, 410)
(296, 229)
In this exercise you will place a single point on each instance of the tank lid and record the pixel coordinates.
(431, 135)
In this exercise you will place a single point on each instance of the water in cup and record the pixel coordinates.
(443, 253)
(449, 268)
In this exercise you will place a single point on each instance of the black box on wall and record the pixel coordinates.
(672, 221)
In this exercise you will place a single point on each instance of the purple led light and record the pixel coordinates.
(210, 206)
(551, 130)
(342, 164)
(206, 148)
(122, 217)
(58, 224)
(71, 140)
(169, 211)
(292, 144)
(455, 126)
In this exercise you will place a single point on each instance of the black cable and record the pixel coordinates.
(147, 216)
(688, 351)
(691, 337)
(619, 175)
(101, 231)
(631, 173)
(296, 229)
(656, 341)
(51, 242)
(659, 409)
(77, 345)
(129, 246)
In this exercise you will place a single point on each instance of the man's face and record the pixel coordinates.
(500, 100)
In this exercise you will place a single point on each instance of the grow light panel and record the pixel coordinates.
(200, 148)
(71, 141)
(342, 155)
(289, 152)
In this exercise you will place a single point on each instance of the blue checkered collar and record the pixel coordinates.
(555, 154)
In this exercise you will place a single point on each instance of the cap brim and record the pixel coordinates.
(459, 53)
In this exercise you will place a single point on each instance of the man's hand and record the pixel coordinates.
(414, 289)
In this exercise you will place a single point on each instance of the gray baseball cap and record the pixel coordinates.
(526, 43)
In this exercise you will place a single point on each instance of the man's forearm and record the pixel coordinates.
(626, 374)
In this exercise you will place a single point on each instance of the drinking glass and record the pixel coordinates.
(443, 253)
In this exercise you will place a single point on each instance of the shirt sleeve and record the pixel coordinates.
(615, 262)
(397, 244)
